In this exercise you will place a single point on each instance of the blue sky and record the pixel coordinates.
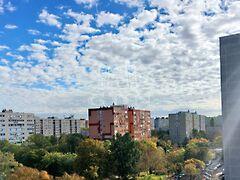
(64, 56)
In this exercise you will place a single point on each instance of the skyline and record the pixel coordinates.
(67, 56)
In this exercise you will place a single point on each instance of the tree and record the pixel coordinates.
(30, 157)
(91, 157)
(198, 134)
(125, 154)
(176, 160)
(152, 159)
(165, 144)
(198, 149)
(7, 164)
(193, 168)
(69, 143)
(26, 173)
(37, 141)
(57, 163)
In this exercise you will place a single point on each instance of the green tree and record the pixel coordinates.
(125, 154)
(70, 142)
(30, 157)
(165, 144)
(38, 141)
(152, 159)
(57, 163)
(198, 149)
(91, 157)
(175, 160)
(193, 168)
(198, 134)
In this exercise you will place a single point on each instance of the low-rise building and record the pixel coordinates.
(182, 124)
(106, 122)
(16, 127)
(53, 126)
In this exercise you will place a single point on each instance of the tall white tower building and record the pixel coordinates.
(230, 87)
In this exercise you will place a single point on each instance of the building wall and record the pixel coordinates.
(53, 126)
(105, 122)
(161, 124)
(181, 125)
(16, 127)
(230, 85)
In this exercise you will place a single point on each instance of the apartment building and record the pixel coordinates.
(16, 127)
(182, 123)
(161, 123)
(53, 126)
(105, 122)
(214, 126)
(230, 81)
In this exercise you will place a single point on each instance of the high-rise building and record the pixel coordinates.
(105, 122)
(182, 124)
(213, 126)
(16, 127)
(230, 87)
(53, 126)
(161, 123)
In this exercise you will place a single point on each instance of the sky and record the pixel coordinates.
(65, 56)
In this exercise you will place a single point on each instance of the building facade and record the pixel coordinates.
(182, 124)
(230, 86)
(16, 127)
(53, 126)
(161, 123)
(214, 126)
(105, 122)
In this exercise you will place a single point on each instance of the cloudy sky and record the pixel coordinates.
(64, 56)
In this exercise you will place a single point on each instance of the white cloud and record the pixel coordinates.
(162, 68)
(10, 26)
(6, 7)
(49, 19)
(80, 17)
(87, 3)
(1, 6)
(33, 32)
(3, 47)
(10, 7)
(14, 56)
(105, 18)
(37, 51)
(131, 3)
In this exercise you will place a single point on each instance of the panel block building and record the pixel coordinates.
(182, 124)
(105, 122)
(161, 123)
(53, 126)
(230, 88)
(16, 127)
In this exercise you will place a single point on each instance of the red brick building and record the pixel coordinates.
(104, 122)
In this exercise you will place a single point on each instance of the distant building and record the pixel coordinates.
(105, 122)
(182, 124)
(53, 126)
(214, 126)
(161, 123)
(16, 127)
(152, 124)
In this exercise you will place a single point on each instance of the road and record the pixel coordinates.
(214, 169)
